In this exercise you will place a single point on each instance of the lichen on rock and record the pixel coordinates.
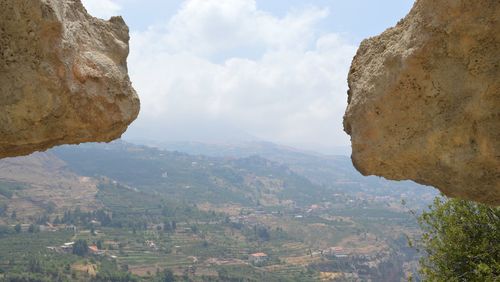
(63, 76)
(424, 99)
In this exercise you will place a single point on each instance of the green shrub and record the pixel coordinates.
(461, 240)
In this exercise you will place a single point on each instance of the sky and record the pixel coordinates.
(246, 70)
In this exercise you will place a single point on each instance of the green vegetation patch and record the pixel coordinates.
(8, 189)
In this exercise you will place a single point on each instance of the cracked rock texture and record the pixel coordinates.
(63, 76)
(424, 99)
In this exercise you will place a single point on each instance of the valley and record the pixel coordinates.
(264, 213)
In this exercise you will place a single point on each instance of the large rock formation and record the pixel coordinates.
(424, 99)
(63, 76)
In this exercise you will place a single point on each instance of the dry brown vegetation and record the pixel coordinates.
(46, 182)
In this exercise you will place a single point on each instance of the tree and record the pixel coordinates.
(34, 265)
(263, 233)
(17, 228)
(80, 248)
(194, 229)
(113, 276)
(43, 219)
(50, 208)
(4, 229)
(33, 228)
(461, 240)
(167, 227)
(99, 244)
(167, 276)
(3, 208)
(223, 273)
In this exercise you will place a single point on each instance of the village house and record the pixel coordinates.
(337, 252)
(95, 251)
(48, 228)
(258, 258)
(66, 248)
(71, 228)
(95, 222)
(152, 245)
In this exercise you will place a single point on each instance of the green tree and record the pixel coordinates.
(194, 229)
(461, 240)
(17, 228)
(34, 265)
(3, 208)
(80, 248)
(167, 276)
(99, 244)
(4, 229)
(167, 227)
(263, 233)
(33, 228)
(223, 273)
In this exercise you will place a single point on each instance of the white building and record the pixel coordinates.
(258, 258)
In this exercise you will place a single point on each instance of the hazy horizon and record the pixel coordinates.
(243, 70)
(305, 148)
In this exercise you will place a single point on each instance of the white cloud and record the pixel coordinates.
(102, 8)
(227, 64)
(211, 27)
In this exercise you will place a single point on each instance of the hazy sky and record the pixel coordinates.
(232, 70)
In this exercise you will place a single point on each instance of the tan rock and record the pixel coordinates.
(424, 99)
(63, 76)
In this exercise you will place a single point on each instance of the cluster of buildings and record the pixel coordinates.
(337, 252)
(152, 245)
(244, 219)
(67, 248)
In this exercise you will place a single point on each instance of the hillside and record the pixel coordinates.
(41, 182)
(336, 173)
(249, 180)
(203, 216)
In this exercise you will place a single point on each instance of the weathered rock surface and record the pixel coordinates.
(424, 99)
(63, 76)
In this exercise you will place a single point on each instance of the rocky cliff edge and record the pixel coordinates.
(424, 99)
(63, 76)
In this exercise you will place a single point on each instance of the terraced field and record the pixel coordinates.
(201, 217)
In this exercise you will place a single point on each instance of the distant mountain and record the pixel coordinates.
(249, 180)
(306, 162)
(248, 173)
(332, 171)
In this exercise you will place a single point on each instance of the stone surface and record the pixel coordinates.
(424, 99)
(63, 76)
